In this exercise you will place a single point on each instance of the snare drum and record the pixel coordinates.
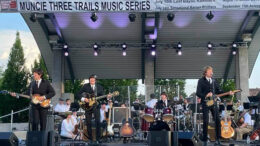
(167, 114)
(149, 114)
(145, 125)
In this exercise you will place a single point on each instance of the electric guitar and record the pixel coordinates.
(109, 125)
(87, 106)
(35, 98)
(226, 130)
(127, 129)
(210, 100)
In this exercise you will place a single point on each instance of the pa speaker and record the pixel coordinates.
(8, 139)
(159, 138)
(36, 138)
(188, 138)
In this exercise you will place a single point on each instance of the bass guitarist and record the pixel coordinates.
(206, 88)
(46, 91)
(95, 89)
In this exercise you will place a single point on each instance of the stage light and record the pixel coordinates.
(33, 17)
(124, 53)
(94, 17)
(234, 45)
(96, 50)
(179, 46)
(66, 50)
(153, 52)
(210, 16)
(153, 45)
(179, 52)
(209, 52)
(234, 52)
(170, 16)
(209, 45)
(124, 46)
(132, 17)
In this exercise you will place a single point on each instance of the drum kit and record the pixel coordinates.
(175, 116)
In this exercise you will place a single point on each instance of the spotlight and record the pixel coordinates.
(153, 52)
(95, 47)
(124, 53)
(153, 45)
(179, 52)
(234, 52)
(209, 45)
(209, 52)
(94, 17)
(179, 46)
(170, 16)
(33, 17)
(234, 45)
(132, 17)
(210, 16)
(124, 46)
(66, 50)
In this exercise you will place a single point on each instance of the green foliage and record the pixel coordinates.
(1, 75)
(170, 87)
(229, 85)
(73, 88)
(41, 65)
(15, 79)
(121, 86)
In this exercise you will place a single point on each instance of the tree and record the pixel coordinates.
(15, 79)
(71, 87)
(1, 76)
(229, 85)
(170, 86)
(120, 85)
(41, 65)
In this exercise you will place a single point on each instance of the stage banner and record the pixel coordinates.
(8, 6)
(130, 5)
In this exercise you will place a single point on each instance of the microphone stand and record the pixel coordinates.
(216, 112)
(30, 106)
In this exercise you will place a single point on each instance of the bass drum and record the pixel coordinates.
(149, 114)
(255, 135)
(145, 125)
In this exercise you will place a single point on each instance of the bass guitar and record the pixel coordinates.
(127, 129)
(87, 106)
(210, 100)
(109, 125)
(34, 99)
(226, 130)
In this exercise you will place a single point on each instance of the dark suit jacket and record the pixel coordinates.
(160, 104)
(87, 89)
(45, 89)
(204, 87)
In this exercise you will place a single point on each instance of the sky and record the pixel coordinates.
(10, 23)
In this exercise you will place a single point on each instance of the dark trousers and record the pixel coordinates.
(39, 115)
(205, 111)
(96, 112)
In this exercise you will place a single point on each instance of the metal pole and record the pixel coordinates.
(129, 101)
(195, 114)
(12, 114)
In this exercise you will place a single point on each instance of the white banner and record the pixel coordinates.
(128, 5)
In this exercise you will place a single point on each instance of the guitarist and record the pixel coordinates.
(44, 88)
(94, 89)
(206, 88)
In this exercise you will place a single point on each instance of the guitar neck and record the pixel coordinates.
(25, 96)
(101, 97)
(226, 93)
(109, 117)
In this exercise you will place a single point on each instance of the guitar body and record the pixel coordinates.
(127, 129)
(45, 103)
(226, 130)
(110, 130)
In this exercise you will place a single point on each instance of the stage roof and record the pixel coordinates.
(192, 29)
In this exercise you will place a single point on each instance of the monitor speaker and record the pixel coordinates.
(8, 139)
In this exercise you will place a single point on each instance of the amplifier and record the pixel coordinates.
(119, 113)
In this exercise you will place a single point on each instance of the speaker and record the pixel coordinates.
(188, 138)
(159, 138)
(36, 138)
(119, 113)
(8, 139)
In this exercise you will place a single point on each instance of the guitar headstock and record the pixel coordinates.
(115, 93)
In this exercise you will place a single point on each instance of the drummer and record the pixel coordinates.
(151, 103)
(164, 102)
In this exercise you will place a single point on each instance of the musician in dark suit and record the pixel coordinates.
(207, 87)
(97, 90)
(46, 91)
(163, 102)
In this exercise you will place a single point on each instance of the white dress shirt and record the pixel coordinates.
(66, 128)
(60, 108)
(151, 103)
(247, 119)
(102, 115)
(209, 79)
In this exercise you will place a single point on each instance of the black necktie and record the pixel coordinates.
(37, 84)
